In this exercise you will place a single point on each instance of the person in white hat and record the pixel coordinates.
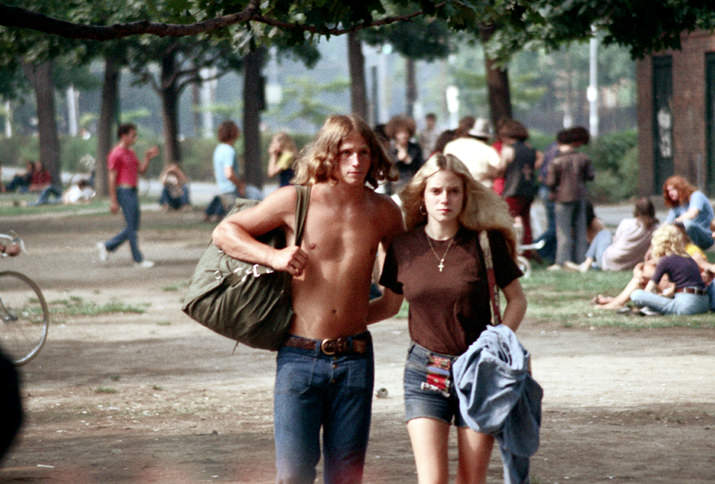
(471, 148)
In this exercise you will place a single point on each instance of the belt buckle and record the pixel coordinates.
(327, 346)
(331, 347)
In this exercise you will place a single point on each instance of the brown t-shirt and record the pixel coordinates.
(448, 309)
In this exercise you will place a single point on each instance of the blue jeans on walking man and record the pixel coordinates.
(313, 390)
(571, 243)
(129, 203)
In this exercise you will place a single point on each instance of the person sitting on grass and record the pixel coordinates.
(690, 296)
(21, 181)
(41, 178)
(626, 248)
(77, 193)
(691, 207)
(175, 190)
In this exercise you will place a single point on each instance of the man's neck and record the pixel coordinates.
(343, 192)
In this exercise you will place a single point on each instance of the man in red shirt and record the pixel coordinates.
(124, 168)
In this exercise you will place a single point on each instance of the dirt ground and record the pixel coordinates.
(155, 397)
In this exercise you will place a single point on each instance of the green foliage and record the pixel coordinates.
(615, 161)
(301, 99)
(197, 156)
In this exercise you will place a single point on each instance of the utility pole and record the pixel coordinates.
(592, 92)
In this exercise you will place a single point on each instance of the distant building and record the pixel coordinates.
(676, 115)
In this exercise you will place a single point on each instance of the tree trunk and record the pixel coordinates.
(498, 92)
(106, 124)
(411, 86)
(196, 107)
(358, 89)
(40, 76)
(252, 95)
(169, 94)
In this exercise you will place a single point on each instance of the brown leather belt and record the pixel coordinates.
(347, 345)
(692, 290)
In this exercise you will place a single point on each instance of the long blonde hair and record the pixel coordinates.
(668, 240)
(318, 162)
(285, 141)
(483, 208)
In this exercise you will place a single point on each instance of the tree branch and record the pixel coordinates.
(23, 18)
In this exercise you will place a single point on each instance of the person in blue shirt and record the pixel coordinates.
(691, 207)
(225, 164)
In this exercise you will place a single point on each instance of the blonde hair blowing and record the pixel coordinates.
(483, 208)
(285, 141)
(319, 161)
(667, 240)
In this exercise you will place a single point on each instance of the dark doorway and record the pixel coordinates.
(662, 120)
(710, 121)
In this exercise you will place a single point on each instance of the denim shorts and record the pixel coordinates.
(422, 400)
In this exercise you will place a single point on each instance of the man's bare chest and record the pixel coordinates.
(331, 237)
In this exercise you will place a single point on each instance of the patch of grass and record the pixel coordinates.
(14, 204)
(163, 323)
(177, 286)
(564, 298)
(105, 390)
(115, 377)
(76, 306)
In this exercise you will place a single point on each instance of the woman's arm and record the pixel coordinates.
(515, 305)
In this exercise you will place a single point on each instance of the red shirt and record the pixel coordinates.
(125, 163)
(41, 177)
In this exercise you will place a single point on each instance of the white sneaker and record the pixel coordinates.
(102, 252)
(145, 264)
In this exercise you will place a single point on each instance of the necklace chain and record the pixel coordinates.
(440, 266)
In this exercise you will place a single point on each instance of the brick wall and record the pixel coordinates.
(688, 109)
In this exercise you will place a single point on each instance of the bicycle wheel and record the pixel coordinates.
(24, 317)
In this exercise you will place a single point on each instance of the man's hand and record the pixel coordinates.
(291, 260)
(113, 206)
(151, 153)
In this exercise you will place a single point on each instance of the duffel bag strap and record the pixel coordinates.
(301, 211)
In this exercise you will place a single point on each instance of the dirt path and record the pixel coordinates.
(154, 397)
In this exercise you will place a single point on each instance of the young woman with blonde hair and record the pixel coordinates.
(438, 266)
(282, 153)
(668, 246)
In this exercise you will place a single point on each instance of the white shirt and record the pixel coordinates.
(476, 155)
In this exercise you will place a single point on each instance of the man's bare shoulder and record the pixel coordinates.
(387, 212)
(276, 210)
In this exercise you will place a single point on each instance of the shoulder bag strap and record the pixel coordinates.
(491, 280)
(301, 211)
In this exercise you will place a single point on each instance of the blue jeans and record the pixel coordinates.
(598, 246)
(700, 236)
(174, 202)
(425, 402)
(129, 203)
(313, 391)
(45, 195)
(682, 303)
(571, 241)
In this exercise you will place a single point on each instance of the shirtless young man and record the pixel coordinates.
(325, 370)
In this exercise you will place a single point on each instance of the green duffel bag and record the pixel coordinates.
(247, 302)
